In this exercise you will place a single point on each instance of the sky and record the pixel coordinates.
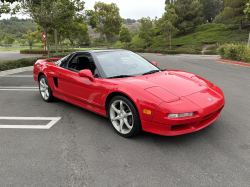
(134, 9)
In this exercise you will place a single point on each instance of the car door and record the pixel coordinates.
(80, 90)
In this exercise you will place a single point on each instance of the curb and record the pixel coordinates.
(234, 62)
(18, 70)
(30, 54)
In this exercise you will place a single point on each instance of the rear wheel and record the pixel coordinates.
(124, 117)
(45, 90)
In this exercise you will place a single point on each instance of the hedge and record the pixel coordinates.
(24, 62)
(177, 51)
(212, 52)
(41, 51)
(235, 52)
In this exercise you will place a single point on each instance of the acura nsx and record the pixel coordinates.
(131, 91)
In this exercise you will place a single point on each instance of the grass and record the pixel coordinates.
(193, 40)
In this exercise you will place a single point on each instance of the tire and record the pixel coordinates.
(44, 89)
(126, 122)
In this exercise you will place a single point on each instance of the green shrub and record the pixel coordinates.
(235, 52)
(98, 44)
(172, 52)
(213, 47)
(41, 51)
(24, 62)
(212, 52)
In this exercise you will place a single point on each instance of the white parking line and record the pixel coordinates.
(17, 76)
(53, 121)
(18, 88)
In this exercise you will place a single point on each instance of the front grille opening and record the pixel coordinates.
(177, 126)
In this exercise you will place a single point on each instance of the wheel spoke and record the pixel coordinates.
(121, 124)
(115, 118)
(127, 124)
(121, 106)
(42, 89)
(115, 109)
(128, 114)
(41, 83)
(47, 93)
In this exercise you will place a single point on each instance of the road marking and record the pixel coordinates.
(18, 88)
(53, 121)
(17, 76)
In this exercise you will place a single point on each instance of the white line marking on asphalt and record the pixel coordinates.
(16, 88)
(53, 121)
(19, 89)
(18, 76)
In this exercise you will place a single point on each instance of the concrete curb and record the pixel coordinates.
(234, 62)
(30, 54)
(18, 70)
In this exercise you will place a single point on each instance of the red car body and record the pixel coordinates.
(162, 93)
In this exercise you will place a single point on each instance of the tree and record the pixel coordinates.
(125, 35)
(110, 20)
(165, 24)
(233, 12)
(189, 13)
(75, 29)
(211, 8)
(50, 13)
(31, 37)
(146, 30)
(8, 39)
(5, 7)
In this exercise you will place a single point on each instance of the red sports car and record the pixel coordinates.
(131, 91)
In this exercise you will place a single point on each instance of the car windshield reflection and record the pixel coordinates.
(126, 63)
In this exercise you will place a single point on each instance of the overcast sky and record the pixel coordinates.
(134, 9)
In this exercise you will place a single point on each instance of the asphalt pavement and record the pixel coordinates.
(82, 149)
(13, 55)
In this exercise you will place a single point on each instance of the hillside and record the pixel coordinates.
(16, 26)
(194, 39)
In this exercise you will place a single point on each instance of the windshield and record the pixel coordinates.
(124, 63)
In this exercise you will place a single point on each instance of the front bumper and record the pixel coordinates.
(174, 130)
(205, 113)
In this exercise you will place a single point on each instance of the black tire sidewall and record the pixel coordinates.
(50, 92)
(137, 123)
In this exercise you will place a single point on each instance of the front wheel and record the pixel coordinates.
(45, 90)
(124, 116)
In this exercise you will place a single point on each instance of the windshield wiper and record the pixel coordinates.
(151, 72)
(119, 76)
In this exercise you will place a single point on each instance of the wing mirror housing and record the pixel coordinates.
(86, 73)
(154, 63)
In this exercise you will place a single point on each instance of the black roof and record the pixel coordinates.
(101, 50)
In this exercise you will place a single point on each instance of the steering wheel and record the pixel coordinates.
(131, 67)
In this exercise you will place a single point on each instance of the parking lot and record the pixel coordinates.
(59, 144)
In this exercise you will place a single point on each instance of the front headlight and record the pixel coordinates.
(183, 115)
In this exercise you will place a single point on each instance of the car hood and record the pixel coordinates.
(179, 83)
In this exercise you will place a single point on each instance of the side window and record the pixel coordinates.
(83, 61)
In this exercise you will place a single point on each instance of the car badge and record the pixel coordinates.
(210, 99)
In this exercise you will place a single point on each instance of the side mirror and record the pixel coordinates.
(86, 73)
(154, 63)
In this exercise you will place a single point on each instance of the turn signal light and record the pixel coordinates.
(149, 112)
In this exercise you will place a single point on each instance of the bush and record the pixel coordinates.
(172, 52)
(41, 51)
(238, 52)
(24, 62)
(212, 52)
(213, 47)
